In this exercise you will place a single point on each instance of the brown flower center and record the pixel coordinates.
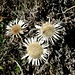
(35, 50)
(47, 30)
(15, 29)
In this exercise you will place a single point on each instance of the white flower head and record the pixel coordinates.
(49, 32)
(15, 28)
(37, 51)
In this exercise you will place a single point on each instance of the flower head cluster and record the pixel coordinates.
(36, 47)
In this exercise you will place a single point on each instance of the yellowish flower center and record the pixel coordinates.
(35, 50)
(1, 18)
(15, 29)
(47, 30)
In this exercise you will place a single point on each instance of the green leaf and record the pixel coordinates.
(17, 69)
(1, 67)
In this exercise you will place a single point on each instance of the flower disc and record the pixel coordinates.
(35, 50)
(16, 29)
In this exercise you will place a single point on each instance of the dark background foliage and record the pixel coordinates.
(62, 57)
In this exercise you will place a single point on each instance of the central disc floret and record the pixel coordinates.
(15, 29)
(35, 50)
(47, 30)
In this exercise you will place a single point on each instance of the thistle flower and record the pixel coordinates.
(36, 51)
(15, 28)
(49, 32)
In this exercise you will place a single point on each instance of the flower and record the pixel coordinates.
(49, 32)
(15, 28)
(36, 51)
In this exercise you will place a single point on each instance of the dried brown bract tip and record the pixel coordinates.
(1, 18)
